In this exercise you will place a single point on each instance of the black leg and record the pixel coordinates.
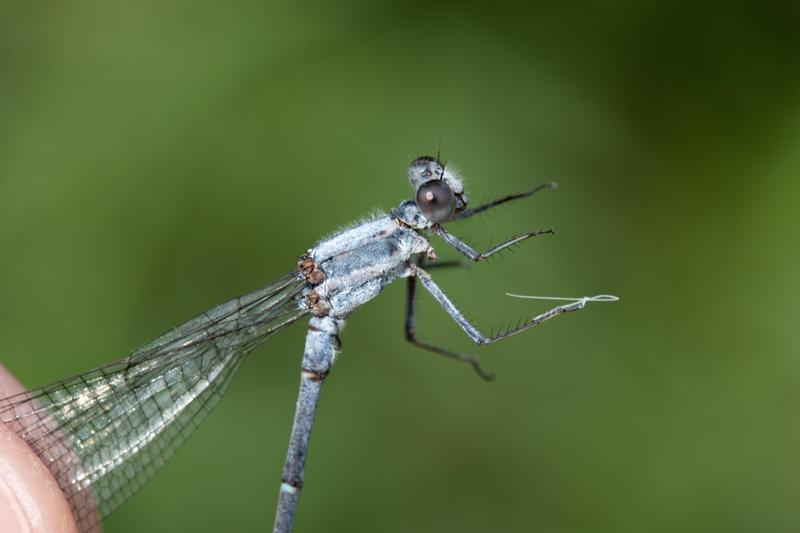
(466, 213)
(443, 264)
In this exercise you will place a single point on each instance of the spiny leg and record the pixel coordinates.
(411, 334)
(473, 254)
(466, 213)
(322, 344)
(473, 333)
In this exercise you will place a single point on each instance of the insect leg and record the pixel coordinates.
(466, 213)
(473, 254)
(411, 334)
(473, 332)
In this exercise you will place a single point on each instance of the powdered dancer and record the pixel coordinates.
(103, 433)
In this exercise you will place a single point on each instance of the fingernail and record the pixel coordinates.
(12, 519)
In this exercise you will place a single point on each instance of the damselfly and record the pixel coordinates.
(103, 433)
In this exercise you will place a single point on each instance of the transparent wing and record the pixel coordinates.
(103, 433)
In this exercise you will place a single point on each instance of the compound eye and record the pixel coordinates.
(436, 200)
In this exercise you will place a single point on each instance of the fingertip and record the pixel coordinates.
(30, 499)
(9, 384)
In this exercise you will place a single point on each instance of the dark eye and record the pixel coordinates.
(436, 201)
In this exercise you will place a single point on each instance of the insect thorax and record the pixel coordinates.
(350, 268)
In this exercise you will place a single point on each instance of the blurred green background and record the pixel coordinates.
(159, 158)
